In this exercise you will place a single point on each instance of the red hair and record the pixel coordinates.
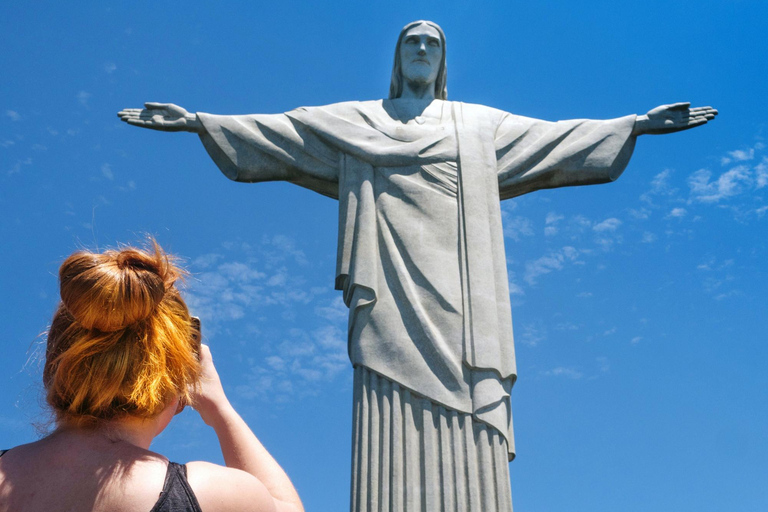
(121, 341)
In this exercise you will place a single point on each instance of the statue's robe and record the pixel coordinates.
(421, 259)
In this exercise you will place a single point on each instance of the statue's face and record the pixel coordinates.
(420, 54)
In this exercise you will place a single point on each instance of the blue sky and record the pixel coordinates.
(639, 307)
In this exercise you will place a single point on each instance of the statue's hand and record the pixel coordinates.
(166, 117)
(672, 118)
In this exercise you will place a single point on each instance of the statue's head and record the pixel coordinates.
(433, 69)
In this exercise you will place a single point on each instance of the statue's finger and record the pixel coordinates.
(703, 112)
(679, 106)
(155, 105)
(706, 116)
(149, 116)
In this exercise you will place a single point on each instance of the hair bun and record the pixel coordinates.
(114, 289)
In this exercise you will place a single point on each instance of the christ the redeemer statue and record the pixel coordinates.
(421, 257)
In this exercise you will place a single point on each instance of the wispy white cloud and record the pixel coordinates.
(13, 115)
(648, 237)
(531, 334)
(546, 264)
(83, 97)
(551, 223)
(106, 171)
(677, 213)
(18, 166)
(240, 272)
(277, 248)
(240, 289)
(334, 310)
(553, 218)
(705, 189)
(301, 362)
(224, 292)
(514, 288)
(579, 223)
(660, 186)
(611, 224)
(607, 233)
(740, 155)
(761, 173)
(718, 277)
(562, 371)
(109, 67)
(516, 227)
(206, 260)
(734, 188)
(726, 295)
(129, 186)
(741, 179)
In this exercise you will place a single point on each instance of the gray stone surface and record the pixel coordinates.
(420, 253)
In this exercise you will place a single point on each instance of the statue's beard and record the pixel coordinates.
(419, 81)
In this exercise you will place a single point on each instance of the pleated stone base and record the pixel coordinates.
(412, 455)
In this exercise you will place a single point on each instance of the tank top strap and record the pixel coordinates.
(177, 495)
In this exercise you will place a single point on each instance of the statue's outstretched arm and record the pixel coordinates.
(165, 117)
(672, 118)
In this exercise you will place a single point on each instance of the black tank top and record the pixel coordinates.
(177, 495)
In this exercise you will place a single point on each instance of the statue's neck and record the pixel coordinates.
(418, 91)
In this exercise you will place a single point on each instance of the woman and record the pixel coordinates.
(123, 357)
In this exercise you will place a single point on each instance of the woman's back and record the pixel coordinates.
(75, 471)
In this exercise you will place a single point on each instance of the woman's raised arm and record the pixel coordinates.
(252, 480)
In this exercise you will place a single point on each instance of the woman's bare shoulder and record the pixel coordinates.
(223, 489)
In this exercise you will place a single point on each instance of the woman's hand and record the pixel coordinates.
(165, 117)
(208, 397)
